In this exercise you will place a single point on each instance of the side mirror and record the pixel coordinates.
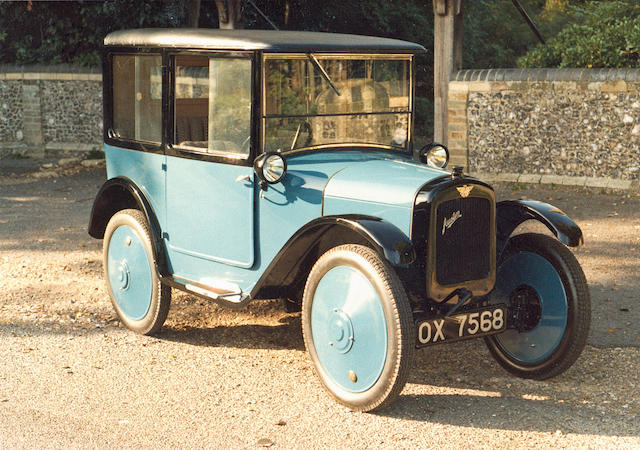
(270, 168)
(435, 155)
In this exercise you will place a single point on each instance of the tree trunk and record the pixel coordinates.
(193, 13)
(230, 14)
(447, 55)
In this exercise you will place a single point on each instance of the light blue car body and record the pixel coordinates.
(217, 224)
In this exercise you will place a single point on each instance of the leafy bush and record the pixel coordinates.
(72, 32)
(495, 34)
(604, 34)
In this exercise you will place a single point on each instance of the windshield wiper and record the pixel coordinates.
(323, 72)
(312, 58)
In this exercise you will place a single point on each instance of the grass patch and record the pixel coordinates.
(95, 154)
(17, 156)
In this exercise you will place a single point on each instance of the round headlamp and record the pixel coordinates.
(270, 167)
(435, 155)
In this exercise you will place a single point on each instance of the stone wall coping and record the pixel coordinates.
(538, 75)
(72, 146)
(629, 186)
(64, 72)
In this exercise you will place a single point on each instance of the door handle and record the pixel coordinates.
(242, 178)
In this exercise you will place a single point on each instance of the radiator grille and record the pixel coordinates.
(463, 240)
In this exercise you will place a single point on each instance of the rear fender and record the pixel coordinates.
(121, 193)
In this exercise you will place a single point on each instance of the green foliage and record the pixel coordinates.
(603, 34)
(495, 33)
(72, 32)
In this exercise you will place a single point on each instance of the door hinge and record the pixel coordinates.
(164, 166)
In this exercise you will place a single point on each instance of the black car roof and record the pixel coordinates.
(269, 40)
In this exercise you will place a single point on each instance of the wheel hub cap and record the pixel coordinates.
(129, 273)
(527, 308)
(123, 275)
(349, 329)
(341, 331)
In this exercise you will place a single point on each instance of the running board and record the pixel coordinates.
(230, 296)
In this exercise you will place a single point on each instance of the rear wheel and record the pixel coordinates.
(358, 327)
(547, 296)
(140, 300)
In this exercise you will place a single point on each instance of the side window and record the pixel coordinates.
(137, 97)
(213, 104)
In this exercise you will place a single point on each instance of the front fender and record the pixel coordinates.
(385, 237)
(511, 213)
(295, 259)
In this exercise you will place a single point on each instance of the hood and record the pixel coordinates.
(384, 188)
(391, 182)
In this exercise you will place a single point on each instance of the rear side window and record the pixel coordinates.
(137, 97)
(213, 105)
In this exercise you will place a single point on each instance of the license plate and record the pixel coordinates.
(478, 322)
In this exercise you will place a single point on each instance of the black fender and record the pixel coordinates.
(294, 260)
(121, 193)
(511, 213)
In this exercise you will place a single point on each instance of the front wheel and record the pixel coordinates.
(140, 300)
(358, 327)
(547, 297)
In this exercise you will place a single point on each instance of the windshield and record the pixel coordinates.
(316, 100)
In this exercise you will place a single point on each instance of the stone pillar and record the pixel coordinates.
(32, 120)
(457, 124)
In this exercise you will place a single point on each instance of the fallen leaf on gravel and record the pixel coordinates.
(612, 330)
(281, 423)
(4, 400)
(264, 442)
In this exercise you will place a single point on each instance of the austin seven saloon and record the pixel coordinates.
(247, 164)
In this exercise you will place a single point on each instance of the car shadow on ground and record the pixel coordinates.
(479, 393)
(285, 336)
(497, 412)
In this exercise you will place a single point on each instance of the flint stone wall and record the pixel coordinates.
(580, 123)
(10, 110)
(50, 110)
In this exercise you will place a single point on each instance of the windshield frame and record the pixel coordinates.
(410, 57)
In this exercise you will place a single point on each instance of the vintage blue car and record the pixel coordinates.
(247, 164)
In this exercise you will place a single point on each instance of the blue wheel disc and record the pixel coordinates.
(129, 272)
(532, 271)
(349, 329)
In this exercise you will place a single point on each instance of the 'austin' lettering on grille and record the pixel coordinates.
(448, 223)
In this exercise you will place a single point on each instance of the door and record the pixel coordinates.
(210, 181)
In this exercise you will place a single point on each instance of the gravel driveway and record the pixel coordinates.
(72, 377)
